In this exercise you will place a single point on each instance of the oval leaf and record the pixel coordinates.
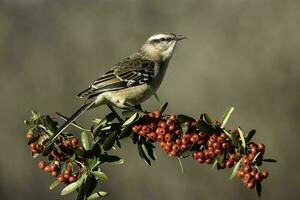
(242, 138)
(184, 118)
(85, 141)
(54, 184)
(109, 141)
(226, 116)
(235, 169)
(97, 195)
(250, 135)
(99, 175)
(73, 186)
(164, 107)
(132, 119)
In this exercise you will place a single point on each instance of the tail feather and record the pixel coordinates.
(79, 112)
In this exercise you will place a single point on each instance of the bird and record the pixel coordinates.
(132, 80)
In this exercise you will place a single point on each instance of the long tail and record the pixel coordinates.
(79, 112)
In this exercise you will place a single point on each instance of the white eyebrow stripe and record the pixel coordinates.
(158, 36)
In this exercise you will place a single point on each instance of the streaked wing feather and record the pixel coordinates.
(128, 73)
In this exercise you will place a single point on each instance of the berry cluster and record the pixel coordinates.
(67, 176)
(60, 166)
(207, 146)
(251, 176)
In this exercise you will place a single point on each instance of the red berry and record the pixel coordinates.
(265, 174)
(29, 136)
(195, 138)
(166, 147)
(220, 139)
(47, 168)
(173, 117)
(72, 179)
(42, 164)
(213, 138)
(178, 132)
(54, 173)
(195, 155)
(178, 141)
(258, 177)
(53, 167)
(246, 168)
(229, 164)
(168, 137)
(208, 160)
(160, 138)
(250, 185)
(61, 179)
(218, 151)
(171, 128)
(225, 145)
(241, 173)
(176, 148)
(216, 145)
(173, 153)
(153, 136)
(74, 142)
(261, 147)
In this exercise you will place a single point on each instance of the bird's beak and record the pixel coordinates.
(180, 37)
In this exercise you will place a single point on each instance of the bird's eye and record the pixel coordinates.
(162, 39)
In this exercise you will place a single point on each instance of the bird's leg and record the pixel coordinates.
(115, 112)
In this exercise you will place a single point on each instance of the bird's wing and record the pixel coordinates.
(128, 73)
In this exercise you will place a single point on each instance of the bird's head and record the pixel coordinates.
(161, 45)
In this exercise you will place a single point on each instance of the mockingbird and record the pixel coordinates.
(131, 81)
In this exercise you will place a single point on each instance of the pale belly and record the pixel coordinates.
(132, 95)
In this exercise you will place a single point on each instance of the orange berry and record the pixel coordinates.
(29, 136)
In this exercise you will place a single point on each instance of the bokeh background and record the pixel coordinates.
(243, 53)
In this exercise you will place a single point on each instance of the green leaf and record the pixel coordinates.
(73, 186)
(35, 115)
(208, 120)
(242, 138)
(256, 156)
(97, 195)
(185, 153)
(111, 159)
(149, 149)
(226, 116)
(54, 184)
(235, 169)
(99, 175)
(109, 141)
(250, 135)
(184, 128)
(215, 162)
(85, 140)
(258, 188)
(234, 139)
(184, 118)
(131, 120)
(269, 160)
(143, 154)
(164, 107)
(50, 124)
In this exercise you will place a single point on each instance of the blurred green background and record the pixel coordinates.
(243, 53)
